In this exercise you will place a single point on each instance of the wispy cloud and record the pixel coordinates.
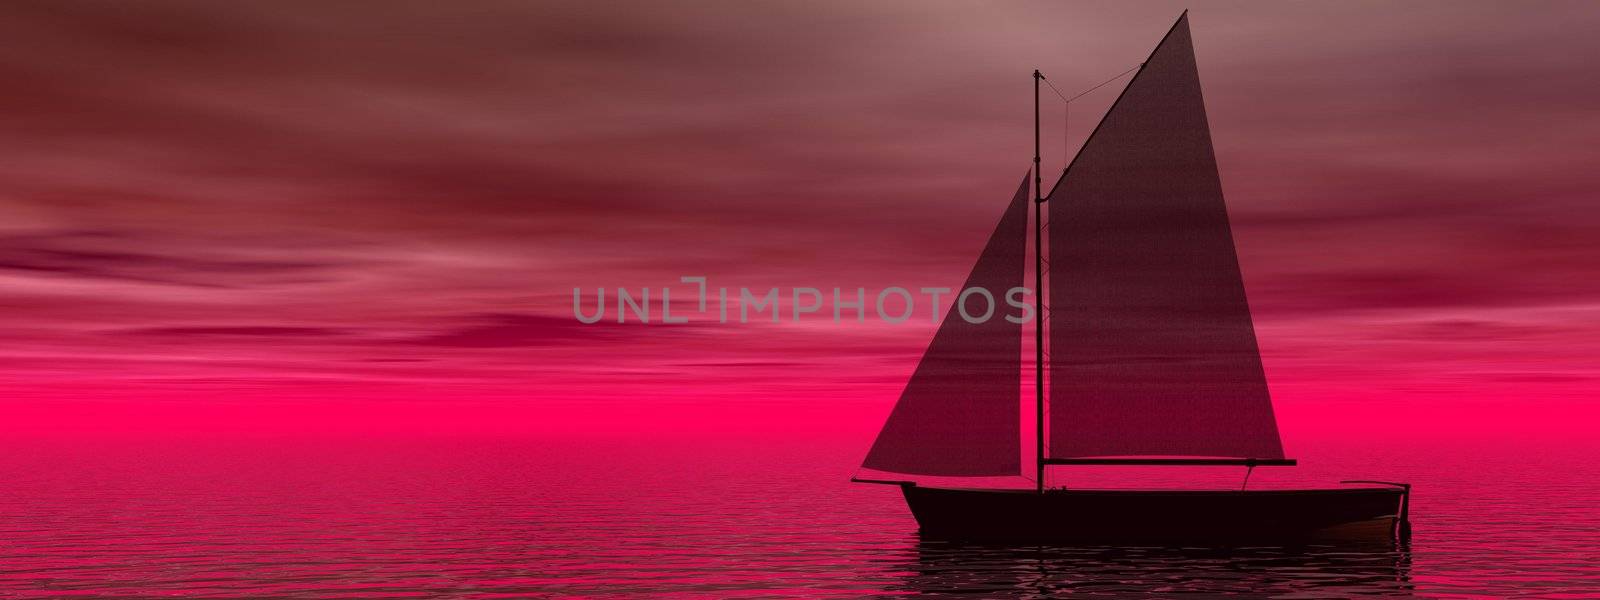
(259, 192)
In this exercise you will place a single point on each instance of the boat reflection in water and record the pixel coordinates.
(940, 568)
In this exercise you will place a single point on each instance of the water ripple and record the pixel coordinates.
(539, 518)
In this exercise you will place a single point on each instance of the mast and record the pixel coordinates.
(1038, 294)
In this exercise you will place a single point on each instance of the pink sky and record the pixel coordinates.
(256, 217)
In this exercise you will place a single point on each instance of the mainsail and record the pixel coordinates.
(959, 414)
(1152, 349)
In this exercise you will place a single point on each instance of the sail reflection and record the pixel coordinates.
(940, 569)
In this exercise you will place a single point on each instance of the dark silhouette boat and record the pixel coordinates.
(1150, 358)
(1156, 516)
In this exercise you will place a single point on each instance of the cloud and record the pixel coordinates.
(409, 192)
(247, 331)
(101, 255)
(513, 330)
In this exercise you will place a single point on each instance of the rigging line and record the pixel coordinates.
(1066, 105)
(1103, 83)
(1053, 88)
(1081, 94)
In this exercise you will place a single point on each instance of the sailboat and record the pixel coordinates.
(1152, 358)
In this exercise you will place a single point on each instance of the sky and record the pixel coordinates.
(256, 217)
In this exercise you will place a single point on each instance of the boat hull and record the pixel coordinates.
(1121, 516)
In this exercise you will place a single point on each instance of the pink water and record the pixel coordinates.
(482, 517)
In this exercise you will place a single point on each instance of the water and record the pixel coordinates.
(487, 518)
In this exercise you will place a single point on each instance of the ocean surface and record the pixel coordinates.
(463, 517)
